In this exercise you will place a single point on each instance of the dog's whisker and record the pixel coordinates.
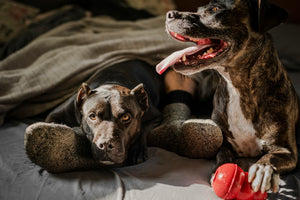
(195, 24)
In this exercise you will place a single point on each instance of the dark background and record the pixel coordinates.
(292, 6)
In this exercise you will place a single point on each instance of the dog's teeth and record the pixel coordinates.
(184, 57)
(175, 34)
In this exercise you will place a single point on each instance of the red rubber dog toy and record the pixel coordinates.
(231, 182)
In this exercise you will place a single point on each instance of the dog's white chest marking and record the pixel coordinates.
(244, 140)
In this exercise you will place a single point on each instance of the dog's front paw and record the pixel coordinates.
(263, 178)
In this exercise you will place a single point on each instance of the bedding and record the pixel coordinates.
(42, 24)
(43, 73)
(13, 18)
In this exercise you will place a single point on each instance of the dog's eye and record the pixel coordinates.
(92, 116)
(214, 9)
(126, 117)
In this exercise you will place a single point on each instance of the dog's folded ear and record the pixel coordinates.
(83, 92)
(265, 15)
(142, 97)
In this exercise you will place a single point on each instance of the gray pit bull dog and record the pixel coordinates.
(111, 119)
(255, 103)
(112, 112)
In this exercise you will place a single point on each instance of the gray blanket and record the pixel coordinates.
(46, 72)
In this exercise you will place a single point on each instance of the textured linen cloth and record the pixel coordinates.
(48, 70)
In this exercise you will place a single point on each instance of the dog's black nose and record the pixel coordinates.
(106, 146)
(171, 15)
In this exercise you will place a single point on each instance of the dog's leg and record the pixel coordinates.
(224, 155)
(137, 153)
(264, 174)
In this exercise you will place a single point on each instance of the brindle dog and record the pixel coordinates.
(255, 103)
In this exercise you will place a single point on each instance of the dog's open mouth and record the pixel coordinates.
(204, 50)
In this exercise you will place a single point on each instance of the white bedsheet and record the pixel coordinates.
(164, 175)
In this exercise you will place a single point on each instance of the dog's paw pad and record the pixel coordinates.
(263, 178)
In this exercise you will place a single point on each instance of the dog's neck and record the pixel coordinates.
(249, 71)
(243, 69)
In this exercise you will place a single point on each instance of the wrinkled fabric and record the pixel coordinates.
(164, 175)
(55, 18)
(49, 69)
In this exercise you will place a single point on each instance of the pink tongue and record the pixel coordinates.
(174, 57)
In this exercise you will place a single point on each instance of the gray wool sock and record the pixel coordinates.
(193, 138)
(168, 134)
(176, 111)
(57, 148)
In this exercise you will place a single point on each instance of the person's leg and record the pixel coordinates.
(174, 81)
(58, 148)
(193, 138)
